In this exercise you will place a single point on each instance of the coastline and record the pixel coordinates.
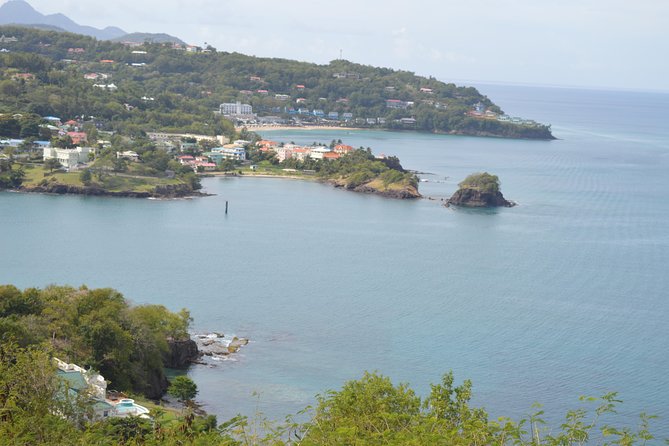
(475, 134)
(63, 189)
(260, 175)
(264, 128)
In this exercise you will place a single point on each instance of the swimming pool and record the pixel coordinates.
(128, 407)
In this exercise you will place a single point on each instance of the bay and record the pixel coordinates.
(563, 295)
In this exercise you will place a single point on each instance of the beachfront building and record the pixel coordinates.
(68, 158)
(343, 149)
(231, 152)
(235, 109)
(318, 152)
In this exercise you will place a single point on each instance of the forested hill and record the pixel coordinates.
(171, 87)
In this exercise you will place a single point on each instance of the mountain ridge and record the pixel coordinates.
(21, 13)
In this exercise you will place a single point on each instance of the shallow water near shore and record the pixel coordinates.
(560, 296)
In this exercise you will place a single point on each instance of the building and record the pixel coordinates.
(68, 158)
(343, 149)
(78, 137)
(231, 152)
(396, 103)
(87, 383)
(235, 109)
(129, 155)
(93, 387)
(319, 152)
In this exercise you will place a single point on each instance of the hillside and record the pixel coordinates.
(166, 86)
(148, 37)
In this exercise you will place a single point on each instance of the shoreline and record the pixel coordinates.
(261, 175)
(477, 134)
(265, 128)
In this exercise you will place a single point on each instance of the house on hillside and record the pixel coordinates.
(90, 385)
(87, 384)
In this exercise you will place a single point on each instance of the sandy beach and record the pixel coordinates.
(264, 128)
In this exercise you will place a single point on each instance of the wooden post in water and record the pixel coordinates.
(226, 207)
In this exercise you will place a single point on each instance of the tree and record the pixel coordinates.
(86, 177)
(51, 164)
(64, 142)
(183, 388)
(484, 182)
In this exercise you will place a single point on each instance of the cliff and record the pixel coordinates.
(180, 354)
(472, 197)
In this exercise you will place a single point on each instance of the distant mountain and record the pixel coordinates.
(19, 12)
(148, 37)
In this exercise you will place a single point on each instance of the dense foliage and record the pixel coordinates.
(159, 87)
(10, 175)
(483, 182)
(94, 328)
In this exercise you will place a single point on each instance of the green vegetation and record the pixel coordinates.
(172, 90)
(182, 388)
(483, 182)
(356, 168)
(98, 328)
(94, 328)
(10, 175)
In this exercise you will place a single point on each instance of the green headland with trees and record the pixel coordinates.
(158, 87)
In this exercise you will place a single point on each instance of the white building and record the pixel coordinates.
(68, 158)
(318, 152)
(231, 153)
(235, 108)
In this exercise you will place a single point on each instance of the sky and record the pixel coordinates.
(620, 44)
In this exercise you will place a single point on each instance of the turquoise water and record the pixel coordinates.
(563, 295)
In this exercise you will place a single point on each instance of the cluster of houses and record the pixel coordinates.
(68, 158)
(212, 159)
(89, 385)
(480, 111)
(301, 153)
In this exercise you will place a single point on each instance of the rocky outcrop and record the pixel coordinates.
(180, 354)
(471, 197)
(405, 193)
(166, 191)
(217, 346)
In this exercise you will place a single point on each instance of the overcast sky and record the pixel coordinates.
(591, 43)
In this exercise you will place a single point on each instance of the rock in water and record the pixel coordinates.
(475, 198)
(479, 190)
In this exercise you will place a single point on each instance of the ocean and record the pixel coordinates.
(561, 296)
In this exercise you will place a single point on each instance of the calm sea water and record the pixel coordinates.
(563, 295)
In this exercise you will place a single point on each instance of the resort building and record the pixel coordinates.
(235, 109)
(68, 158)
(91, 385)
(232, 153)
(318, 153)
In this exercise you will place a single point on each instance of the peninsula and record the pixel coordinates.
(156, 87)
